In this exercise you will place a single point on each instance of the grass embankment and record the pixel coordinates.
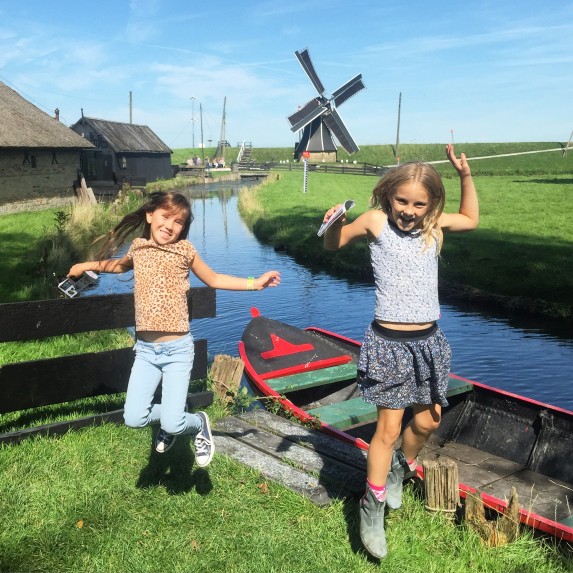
(544, 162)
(521, 249)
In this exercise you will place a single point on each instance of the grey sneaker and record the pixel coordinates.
(164, 441)
(372, 525)
(204, 444)
(399, 471)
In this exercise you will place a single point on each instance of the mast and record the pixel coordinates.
(222, 141)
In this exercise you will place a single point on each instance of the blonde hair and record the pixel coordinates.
(427, 176)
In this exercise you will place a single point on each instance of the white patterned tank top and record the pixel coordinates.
(406, 276)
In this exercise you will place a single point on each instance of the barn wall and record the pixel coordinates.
(36, 174)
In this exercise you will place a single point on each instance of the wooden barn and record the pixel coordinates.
(122, 152)
(39, 156)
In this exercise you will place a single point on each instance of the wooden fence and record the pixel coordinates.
(28, 385)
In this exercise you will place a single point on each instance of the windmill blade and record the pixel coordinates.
(305, 62)
(346, 91)
(334, 122)
(306, 114)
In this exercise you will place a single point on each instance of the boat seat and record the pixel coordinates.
(355, 411)
(313, 378)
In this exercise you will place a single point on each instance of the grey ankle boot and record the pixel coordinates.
(372, 525)
(399, 470)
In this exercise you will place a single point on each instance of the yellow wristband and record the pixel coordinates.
(250, 283)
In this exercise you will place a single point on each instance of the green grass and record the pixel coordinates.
(99, 500)
(521, 248)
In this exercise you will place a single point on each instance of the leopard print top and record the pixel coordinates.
(161, 283)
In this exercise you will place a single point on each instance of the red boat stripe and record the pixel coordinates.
(306, 367)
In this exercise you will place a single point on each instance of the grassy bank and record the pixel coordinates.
(502, 163)
(521, 249)
(98, 500)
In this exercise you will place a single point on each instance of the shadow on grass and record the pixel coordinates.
(173, 470)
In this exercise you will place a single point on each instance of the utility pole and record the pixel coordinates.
(193, 119)
(396, 154)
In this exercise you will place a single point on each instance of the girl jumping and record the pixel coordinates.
(161, 259)
(405, 358)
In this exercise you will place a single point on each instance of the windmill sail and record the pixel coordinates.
(304, 59)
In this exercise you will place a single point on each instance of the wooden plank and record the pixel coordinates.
(272, 469)
(300, 434)
(313, 378)
(56, 380)
(39, 319)
(339, 479)
(345, 414)
(348, 413)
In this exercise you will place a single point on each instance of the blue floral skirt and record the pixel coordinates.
(397, 369)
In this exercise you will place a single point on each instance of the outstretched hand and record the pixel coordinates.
(461, 165)
(268, 279)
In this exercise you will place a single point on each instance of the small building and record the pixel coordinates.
(317, 140)
(39, 156)
(122, 152)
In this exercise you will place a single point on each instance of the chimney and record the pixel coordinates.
(57, 114)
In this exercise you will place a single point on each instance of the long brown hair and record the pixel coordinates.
(427, 176)
(168, 200)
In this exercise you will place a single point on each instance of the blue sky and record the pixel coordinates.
(475, 71)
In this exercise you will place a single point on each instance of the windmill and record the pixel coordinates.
(319, 119)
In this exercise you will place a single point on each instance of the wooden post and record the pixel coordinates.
(494, 533)
(226, 372)
(441, 486)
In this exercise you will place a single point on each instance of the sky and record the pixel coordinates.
(474, 71)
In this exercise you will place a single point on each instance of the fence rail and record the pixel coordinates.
(342, 168)
(46, 382)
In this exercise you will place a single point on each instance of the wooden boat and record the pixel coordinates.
(498, 440)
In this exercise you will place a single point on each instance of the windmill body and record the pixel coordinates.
(319, 119)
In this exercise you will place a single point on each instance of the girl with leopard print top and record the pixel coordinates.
(161, 259)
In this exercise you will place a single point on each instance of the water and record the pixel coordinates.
(518, 356)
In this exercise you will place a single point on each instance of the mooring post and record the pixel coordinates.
(441, 486)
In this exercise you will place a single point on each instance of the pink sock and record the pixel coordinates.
(413, 464)
(379, 491)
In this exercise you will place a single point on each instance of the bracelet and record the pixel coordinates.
(250, 283)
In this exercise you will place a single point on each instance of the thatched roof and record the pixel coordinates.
(23, 125)
(124, 137)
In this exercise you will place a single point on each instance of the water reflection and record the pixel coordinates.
(515, 354)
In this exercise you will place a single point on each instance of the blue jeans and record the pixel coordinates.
(172, 362)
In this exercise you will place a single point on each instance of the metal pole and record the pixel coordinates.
(193, 119)
(305, 177)
(396, 154)
(202, 144)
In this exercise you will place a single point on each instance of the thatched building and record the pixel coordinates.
(39, 156)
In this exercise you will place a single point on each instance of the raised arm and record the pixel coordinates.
(104, 266)
(467, 218)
